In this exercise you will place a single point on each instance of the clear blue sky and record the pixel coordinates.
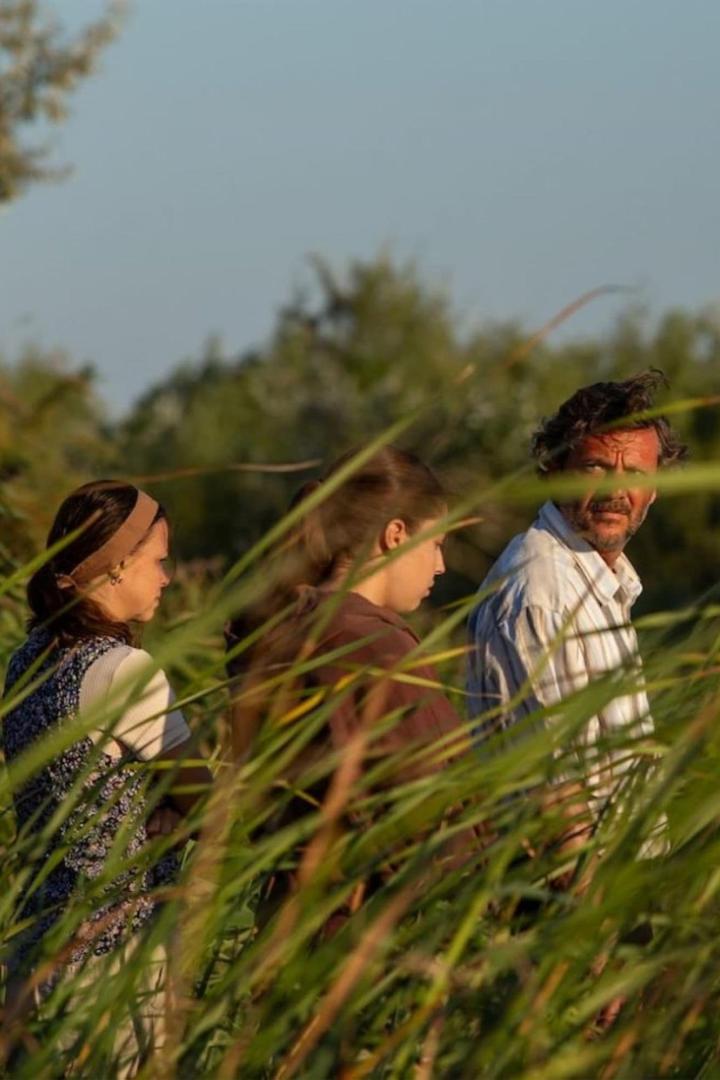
(521, 151)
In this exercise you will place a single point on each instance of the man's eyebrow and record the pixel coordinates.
(633, 466)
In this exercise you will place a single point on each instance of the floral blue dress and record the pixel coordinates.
(83, 802)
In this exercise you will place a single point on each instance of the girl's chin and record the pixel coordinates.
(147, 614)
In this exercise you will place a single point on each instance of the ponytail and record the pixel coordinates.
(44, 593)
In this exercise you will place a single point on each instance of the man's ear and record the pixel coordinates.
(653, 497)
(393, 535)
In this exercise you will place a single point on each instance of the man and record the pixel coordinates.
(559, 615)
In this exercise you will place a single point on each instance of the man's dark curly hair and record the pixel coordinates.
(601, 407)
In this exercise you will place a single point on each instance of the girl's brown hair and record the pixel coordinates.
(393, 483)
(97, 510)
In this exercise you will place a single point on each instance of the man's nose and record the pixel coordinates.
(619, 478)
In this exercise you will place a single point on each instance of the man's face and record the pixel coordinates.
(608, 521)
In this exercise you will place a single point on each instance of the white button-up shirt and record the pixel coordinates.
(558, 618)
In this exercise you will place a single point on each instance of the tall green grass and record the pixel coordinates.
(485, 970)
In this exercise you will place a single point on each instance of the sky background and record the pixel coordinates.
(519, 151)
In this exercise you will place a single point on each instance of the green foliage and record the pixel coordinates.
(364, 351)
(39, 68)
(485, 971)
(52, 437)
(481, 971)
(342, 364)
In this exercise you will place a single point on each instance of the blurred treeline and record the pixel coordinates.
(346, 360)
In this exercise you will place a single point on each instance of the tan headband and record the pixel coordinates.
(122, 542)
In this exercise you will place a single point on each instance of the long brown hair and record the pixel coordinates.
(340, 530)
(96, 511)
(393, 483)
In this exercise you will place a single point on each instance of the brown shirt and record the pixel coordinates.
(368, 682)
(377, 664)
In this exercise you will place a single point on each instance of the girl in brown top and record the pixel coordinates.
(358, 560)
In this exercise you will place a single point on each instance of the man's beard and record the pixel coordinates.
(583, 524)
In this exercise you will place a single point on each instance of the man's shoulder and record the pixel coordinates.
(535, 570)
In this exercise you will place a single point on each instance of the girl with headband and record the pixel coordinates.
(78, 658)
(340, 587)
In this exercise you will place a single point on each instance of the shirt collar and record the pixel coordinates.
(604, 582)
(356, 604)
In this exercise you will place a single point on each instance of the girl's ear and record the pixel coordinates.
(393, 535)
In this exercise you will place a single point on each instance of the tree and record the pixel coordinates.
(335, 372)
(371, 346)
(39, 68)
(53, 436)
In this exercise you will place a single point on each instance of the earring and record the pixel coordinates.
(115, 577)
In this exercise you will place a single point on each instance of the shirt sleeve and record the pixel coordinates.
(534, 659)
(148, 725)
(549, 653)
